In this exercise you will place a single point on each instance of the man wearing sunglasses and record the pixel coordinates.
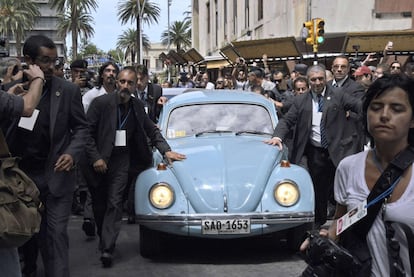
(49, 150)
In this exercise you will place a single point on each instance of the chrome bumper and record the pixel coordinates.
(255, 218)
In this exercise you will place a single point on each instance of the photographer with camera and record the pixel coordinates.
(202, 80)
(11, 70)
(80, 75)
(184, 81)
(239, 74)
(374, 191)
(13, 106)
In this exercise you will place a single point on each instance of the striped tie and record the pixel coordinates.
(324, 141)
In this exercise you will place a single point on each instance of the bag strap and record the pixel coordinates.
(4, 149)
(410, 243)
(393, 248)
(393, 171)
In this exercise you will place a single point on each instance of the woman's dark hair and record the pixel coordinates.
(102, 69)
(385, 83)
(32, 45)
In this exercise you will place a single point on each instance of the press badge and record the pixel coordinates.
(120, 138)
(351, 217)
(146, 109)
(28, 123)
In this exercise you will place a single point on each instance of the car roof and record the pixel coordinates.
(194, 96)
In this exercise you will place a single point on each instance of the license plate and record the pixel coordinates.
(225, 226)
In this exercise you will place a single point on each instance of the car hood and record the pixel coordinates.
(224, 174)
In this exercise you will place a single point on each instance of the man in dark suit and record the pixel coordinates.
(119, 131)
(152, 99)
(318, 119)
(49, 150)
(340, 71)
(150, 94)
(341, 78)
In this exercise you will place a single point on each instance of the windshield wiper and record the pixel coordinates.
(212, 132)
(252, 132)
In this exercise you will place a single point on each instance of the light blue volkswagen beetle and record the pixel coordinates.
(232, 184)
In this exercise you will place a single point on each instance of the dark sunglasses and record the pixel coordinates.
(395, 67)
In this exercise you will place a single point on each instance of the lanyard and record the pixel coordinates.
(121, 124)
(384, 194)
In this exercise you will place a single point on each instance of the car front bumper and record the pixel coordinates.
(190, 224)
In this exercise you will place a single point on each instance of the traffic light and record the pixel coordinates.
(309, 34)
(320, 31)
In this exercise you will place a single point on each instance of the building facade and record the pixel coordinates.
(46, 25)
(217, 23)
(151, 58)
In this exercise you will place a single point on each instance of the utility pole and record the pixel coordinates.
(139, 29)
(169, 40)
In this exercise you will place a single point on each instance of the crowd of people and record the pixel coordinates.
(79, 149)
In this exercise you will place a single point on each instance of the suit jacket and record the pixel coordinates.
(339, 137)
(356, 90)
(351, 87)
(154, 93)
(68, 129)
(102, 120)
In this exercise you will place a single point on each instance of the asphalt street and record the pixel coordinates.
(183, 257)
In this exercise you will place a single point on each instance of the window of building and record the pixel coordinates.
(260, 10)
(216, 19)
(225, 19)
(208, 18)
(396, 8)
(246, 14)
(159, 65)
(234, 17)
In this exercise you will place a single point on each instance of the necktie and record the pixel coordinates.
(142, 95)
(324, 141)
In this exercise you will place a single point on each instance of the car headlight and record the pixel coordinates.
(286, 193)
(161, 196)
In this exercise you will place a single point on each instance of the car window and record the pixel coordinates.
(195, 119)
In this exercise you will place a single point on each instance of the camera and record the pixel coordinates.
(6, 64)
(326, 258)
(88, 79)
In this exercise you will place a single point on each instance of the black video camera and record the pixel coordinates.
(88, 79)
(325, 258)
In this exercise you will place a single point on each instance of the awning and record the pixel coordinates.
(193, 55)
(216, 64)
(334, 43)
(176, 58)
(376, 41)
(273, 48)
(290, 48)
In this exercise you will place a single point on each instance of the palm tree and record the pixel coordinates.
(16, 17)
(75, 19)
(79, 27)
(127, 41)
(180, 35)
(128, 11)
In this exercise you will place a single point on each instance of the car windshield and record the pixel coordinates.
(219, 118)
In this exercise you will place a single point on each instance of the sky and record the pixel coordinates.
(107, 28)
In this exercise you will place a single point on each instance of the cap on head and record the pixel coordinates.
(301, 68)
(362, 70)
(79, 64)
